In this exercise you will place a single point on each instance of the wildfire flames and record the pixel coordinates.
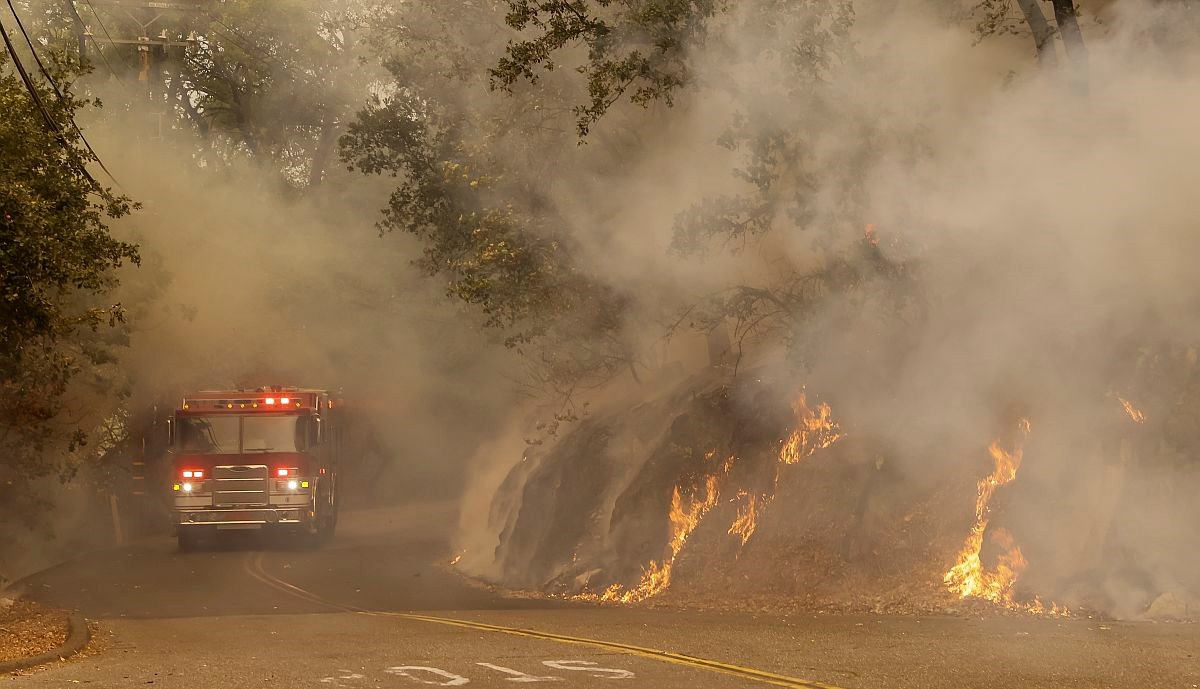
(746, 520)
(685, 516)
(1134, 413)
(968, 577)
(815, 430)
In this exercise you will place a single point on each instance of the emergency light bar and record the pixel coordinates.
(263, 399)
(266, 404)
(272, 403)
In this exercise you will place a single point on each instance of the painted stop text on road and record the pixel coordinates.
(436, 676)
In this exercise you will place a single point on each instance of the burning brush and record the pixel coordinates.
(815, 430)
(968, 577)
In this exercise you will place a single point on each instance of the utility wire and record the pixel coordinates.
(103, 28)
(33, 51)
(75, 13)
(58, 92)
(98, 20)
(37, 99)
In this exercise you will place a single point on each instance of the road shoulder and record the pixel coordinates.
(32, 634)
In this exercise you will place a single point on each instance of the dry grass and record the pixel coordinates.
(28, 629)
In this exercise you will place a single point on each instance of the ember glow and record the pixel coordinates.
(815, 430)
(968, 577)
(1134, 413)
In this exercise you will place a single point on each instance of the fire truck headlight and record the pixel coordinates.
(187, 487)
(293, 485)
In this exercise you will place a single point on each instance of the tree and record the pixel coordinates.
(639, 50)
(471, 187)
(272, 83)
(996, 18)
(275, 80)
(634, 49)
(57, 259)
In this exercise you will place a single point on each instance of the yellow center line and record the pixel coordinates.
(254, 566)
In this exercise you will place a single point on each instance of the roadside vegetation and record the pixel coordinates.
(906, 209)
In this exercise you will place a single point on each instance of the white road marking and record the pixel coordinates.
(337, 681)
(588, 666)
(436, 676)
(518, 676)
(452, 680)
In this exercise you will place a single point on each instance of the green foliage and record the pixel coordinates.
(269, 82)
(468, 188)
(266, 74)
(56, 263)
(634, 47)
(783, 183)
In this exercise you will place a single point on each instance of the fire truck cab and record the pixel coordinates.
(255, 459)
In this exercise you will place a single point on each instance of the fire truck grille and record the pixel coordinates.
(242, 485)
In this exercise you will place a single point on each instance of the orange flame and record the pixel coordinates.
(815, 430)
(684, 520)
(746, 521)
(1134, 413)
(968, 577)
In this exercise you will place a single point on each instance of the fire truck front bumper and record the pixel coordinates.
(254, 518)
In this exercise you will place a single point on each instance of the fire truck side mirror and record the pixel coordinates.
(171, 432)
(320, 427)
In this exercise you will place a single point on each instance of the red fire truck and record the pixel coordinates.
(255, 459)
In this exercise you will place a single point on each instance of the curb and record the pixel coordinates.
(78, 635)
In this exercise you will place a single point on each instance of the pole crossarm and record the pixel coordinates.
(194, 6)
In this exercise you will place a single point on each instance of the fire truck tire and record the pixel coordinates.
(319, 533)
(188, 539)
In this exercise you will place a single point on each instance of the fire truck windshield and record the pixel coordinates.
(209, 434)
(238, 434)
(272, 434)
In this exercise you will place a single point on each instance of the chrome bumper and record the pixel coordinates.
(242, 518)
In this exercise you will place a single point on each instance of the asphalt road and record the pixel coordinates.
(377, 608)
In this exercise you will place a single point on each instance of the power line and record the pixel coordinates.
(75, 13)
(33, 51)
(41, 106)
(57, 92)
(51, 124)
(103, 28)
(98, 20)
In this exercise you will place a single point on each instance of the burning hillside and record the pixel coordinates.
(746, 496)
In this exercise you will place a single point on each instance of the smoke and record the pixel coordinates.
(256, 287)
(1046, 239)
(245, 282)
(1053, 235)
(1031, 257)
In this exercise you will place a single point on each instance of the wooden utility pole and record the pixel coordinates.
(152, 42)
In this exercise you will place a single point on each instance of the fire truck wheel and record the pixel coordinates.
(189, 540)
(319, 532)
